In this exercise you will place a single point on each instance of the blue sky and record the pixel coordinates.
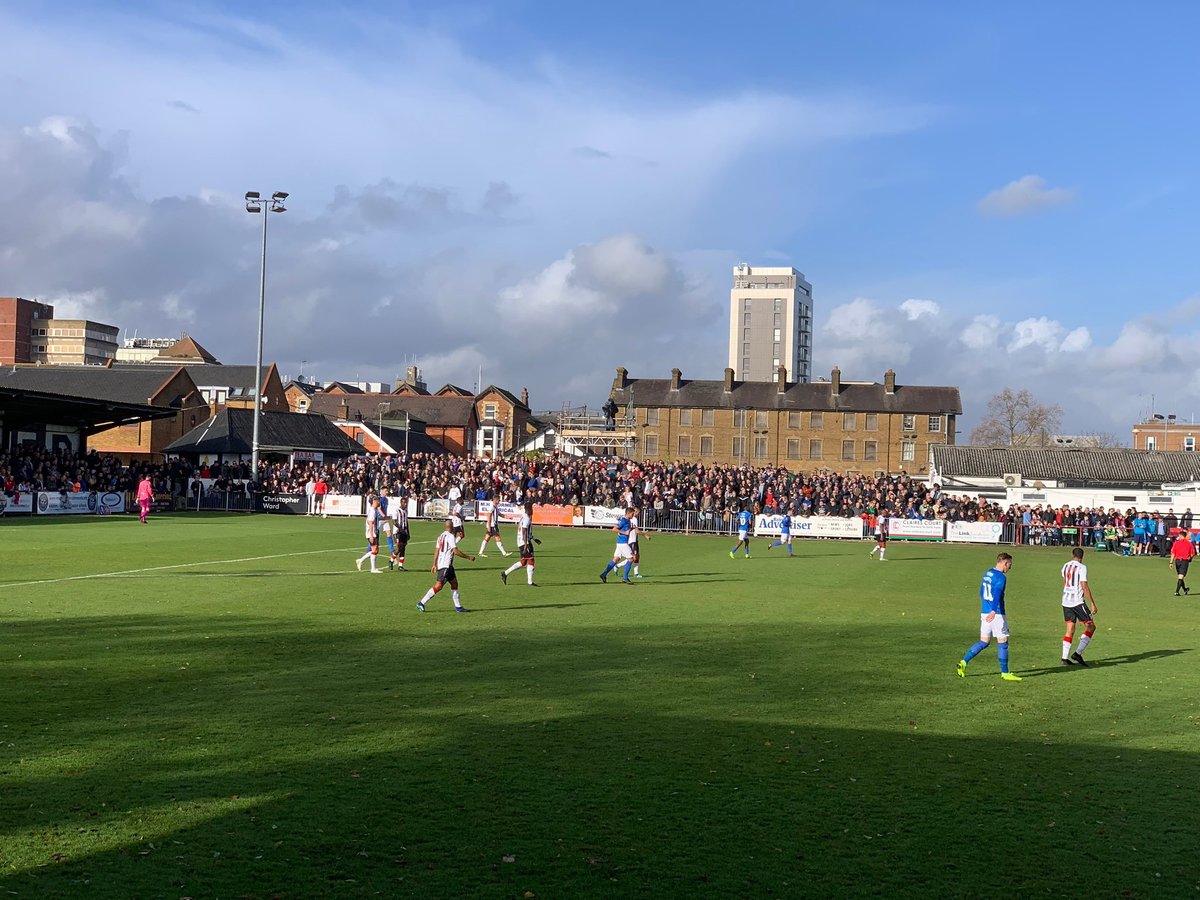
(981, 196)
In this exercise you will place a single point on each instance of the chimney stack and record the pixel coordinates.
(835, 381)
(524, 396)
(344, 411)
(675, 376)
(622, 379)
(889, 382)
(781, 379)
(728, 380)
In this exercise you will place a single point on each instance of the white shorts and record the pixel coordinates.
(743, 534)
(622, 552)
(997, 628)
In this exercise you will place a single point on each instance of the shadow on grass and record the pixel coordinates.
(209, 756)
(1106, 662)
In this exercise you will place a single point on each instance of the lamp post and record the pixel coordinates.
(257, 205)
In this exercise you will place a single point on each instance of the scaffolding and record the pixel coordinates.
(592, 433)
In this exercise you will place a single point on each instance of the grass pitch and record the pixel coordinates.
(241, 713)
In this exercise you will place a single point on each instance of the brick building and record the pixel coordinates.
(450, 420)
(850, 426)
(29, 333)
(502, 420)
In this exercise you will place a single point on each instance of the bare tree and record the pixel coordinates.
(1016, 418)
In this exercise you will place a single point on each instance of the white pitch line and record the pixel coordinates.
(208, 562)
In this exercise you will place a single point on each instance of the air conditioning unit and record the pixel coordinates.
(1012, 480)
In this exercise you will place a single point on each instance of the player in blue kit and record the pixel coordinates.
(623, 554)
(785, 533)
(745, 520)
(992, 620)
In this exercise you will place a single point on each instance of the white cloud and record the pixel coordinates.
(981, 333)
(1025, 195)
(914, 309)
(982, 353)
(1040, 332)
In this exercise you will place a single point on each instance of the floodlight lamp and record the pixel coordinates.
(279, 195)
(252, 208)
(1158, 416)
(278, 207)
(251, 195)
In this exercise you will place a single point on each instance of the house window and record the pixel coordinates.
(1189, 444)
(816, 420)
(1151, 443)
(847, 449)
(778, 323)
(871, 422)
(870, 451)
(793, 448)
(935, 424)
(652, 416)
(908, 451)
(685, 445)
(739, 447)
(746, 304)
(760, 419)
(739, 418)
(849, 422)
(685, 417)
(651, 444)
(746, 318)
(775, 350)
(489, 410)
(776, 338)
(706, 445)
(814, 449)
(745, 334)
(760, 448)
(908, 422)
(745, 349)
(794, 420)
(707, 417)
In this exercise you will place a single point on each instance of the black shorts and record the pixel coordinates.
(526, 551)
(633, 548)
(1181, 566)
(446, 575)
(493, 532)
(881, 538)
(1078, 613)
(402, 536)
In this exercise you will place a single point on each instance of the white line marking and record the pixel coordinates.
(208, 562)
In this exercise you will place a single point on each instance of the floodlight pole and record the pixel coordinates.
(255, 204)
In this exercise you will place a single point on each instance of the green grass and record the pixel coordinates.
(261, 720)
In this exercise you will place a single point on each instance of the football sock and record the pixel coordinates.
(364, 557)
(628, 567)
(391, 544)
(529, 574)
(1083, 642)
(635, 568)
(482, 547)
(1066, 648)
(974, 650)
(512, 568)
(776, 544)
(500, 547)
(454, 597)
(1002, 652)
(611, 565)
(428, 596)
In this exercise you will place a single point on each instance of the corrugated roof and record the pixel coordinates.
(1073, 465)
(232, 431)
(853, 396)
(139, 384)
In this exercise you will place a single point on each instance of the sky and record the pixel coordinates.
(982, 196)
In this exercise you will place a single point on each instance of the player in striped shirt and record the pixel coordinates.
(398, 540)
(1075, 591)
(443, 565)
(993, 621)
(525, 542)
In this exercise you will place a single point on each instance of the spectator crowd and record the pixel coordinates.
(716, 493)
